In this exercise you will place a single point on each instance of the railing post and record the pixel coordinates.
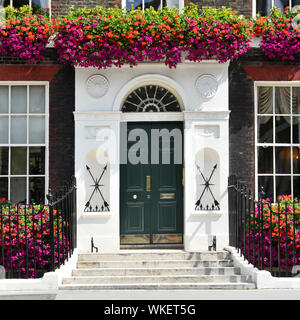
(52, 255)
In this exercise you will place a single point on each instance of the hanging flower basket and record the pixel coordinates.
(280, 34)
(103, 38)
(24, 35)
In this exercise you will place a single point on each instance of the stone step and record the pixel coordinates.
(155, 271)
(156, 279)
(154, 264)
(177, 255)
(161, 286)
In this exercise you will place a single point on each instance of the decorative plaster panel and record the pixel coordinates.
(207, 86)
(97, 86)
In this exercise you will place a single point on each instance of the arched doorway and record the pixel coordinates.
(151, 177)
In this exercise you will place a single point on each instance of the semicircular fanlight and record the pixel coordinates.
(151, 98)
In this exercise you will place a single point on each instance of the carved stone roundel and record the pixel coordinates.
(207, 86)
(97, 86)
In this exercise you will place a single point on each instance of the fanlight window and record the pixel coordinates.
(151, 98)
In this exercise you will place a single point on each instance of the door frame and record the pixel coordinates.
(155, 117)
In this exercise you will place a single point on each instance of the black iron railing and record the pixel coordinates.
(267, 234)
(38, 238)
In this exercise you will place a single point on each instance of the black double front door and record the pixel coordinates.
(151, 199)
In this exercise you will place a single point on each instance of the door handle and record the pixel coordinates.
(148, 183)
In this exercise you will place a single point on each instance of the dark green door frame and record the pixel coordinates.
(151, 195)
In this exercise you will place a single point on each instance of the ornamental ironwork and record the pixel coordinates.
(214, 205)
(151, 98)
(102, 205)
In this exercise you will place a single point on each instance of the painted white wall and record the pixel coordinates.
(202, 90)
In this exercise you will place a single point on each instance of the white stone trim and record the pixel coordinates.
(48, 283)
(145, 79)
(262, 279)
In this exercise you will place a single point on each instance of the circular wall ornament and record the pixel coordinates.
(207, 86)
(97, 86)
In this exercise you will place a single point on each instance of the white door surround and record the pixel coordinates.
(202, 91)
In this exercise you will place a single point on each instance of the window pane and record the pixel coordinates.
(18, 130)
(263, 7)
(4, 130)
(283, 186)
(3, 161)
(36, 190)
(265, 160)
(296, 160)
(18, 190)
(265, 100)
(283, 160)
(37, 160)
(40, 4)
(281, 4)
(37, 130)
(18, 161)
(283, 129)
(296, 100)
(3, 188)
(20, 3)
(37, 99)
(5, 3)
(296, 129)
(267, 183)
(3, 99)
(133, 3)
(19, 99)
(297, 187)
(173, 4)
(156, 4)
(283, 100)
(265, 129)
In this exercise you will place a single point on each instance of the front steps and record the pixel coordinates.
(148, 270)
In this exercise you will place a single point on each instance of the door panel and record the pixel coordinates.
(153, 214)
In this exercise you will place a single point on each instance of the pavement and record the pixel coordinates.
(135, 295)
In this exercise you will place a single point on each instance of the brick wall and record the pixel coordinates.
(61, 129)
(61, 7)
(241, 124)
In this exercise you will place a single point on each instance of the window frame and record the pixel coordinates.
(273, 3)
(30, 4)
(181, 4)
(27, 145)
(274, 144)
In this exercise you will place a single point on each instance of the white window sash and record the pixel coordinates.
(254, 11)
(181, 4)
(27, 145)
(274, 144)
(30, 4)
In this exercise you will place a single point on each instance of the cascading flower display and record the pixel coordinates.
(24, 34)
(280, 34)
(103, 38)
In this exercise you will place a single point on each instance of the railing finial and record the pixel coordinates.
(262, 193)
